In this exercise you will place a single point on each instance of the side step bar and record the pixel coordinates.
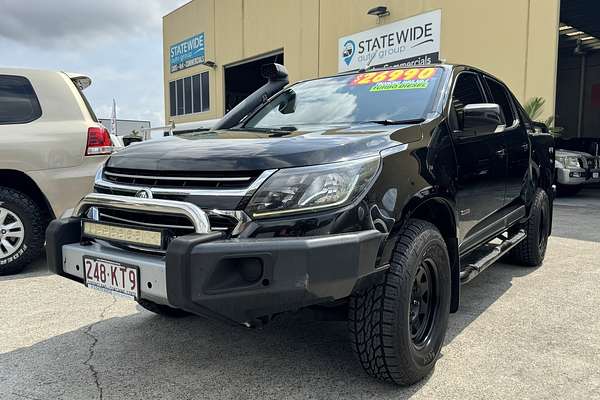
(480, 259)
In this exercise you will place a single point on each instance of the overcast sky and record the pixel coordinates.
(118, 43)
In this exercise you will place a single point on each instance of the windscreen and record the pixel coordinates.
(397, 94)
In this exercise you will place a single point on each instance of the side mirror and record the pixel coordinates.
(483, 118)
(539, 127)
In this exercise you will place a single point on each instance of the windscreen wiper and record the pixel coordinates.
(273, 131)
(286, 129)
(397, 121)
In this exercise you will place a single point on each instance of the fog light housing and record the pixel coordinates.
(251, 269)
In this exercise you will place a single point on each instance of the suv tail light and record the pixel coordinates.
(98, 142)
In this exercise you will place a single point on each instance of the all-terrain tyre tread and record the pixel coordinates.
(527, 252)
(39, 221)
(371, 313)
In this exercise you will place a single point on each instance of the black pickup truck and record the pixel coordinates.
(370, 195)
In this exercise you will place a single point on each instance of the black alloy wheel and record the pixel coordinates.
(423, 302)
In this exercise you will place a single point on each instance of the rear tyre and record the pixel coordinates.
(22, 226)
(397, 326)
(162, 309)
(532, 250)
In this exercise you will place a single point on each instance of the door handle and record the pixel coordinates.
(501, 153)
(525, 147)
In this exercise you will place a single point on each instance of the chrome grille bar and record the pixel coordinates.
(180, 178)
(157, 190)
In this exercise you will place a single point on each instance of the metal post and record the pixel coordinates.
(581, 95)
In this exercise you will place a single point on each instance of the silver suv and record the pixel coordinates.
(574, 169)
(51, 145)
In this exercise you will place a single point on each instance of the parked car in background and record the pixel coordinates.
(51, 145)
(369, 197)
(577, 164)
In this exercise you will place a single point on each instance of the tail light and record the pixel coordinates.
(98, 142)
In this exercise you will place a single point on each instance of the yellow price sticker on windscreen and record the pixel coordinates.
(394, 75)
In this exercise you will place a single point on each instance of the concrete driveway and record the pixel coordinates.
(520, 333)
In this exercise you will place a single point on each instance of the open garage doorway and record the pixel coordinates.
(578, 83)
(241, 79)
(578, 99)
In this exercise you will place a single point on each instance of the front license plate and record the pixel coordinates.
(596, 175)
(111, 276)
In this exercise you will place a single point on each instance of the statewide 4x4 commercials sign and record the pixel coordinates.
(412, 41)
(187, 53)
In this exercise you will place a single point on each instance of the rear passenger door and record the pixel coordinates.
(516, 141)
(481, 166)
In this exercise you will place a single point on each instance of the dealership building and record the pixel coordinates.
(213, 49)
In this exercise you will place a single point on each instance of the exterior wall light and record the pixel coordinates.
(379, 12)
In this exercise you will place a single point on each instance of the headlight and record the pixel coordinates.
(313, 188)
(569, 162)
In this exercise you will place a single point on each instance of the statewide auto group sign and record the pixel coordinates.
(411, 41)
(187, 53)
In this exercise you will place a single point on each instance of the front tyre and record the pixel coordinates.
(397, 326)
(22, 225)
(532, 250)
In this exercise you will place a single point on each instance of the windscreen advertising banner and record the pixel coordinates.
(187, 53)
(411, 41)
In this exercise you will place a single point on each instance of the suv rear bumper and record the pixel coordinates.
(237, 280)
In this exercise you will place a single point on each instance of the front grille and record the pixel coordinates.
(181, 179)
(175, 225)
(119, 192)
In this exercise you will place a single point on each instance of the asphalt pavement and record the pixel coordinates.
(520, 333)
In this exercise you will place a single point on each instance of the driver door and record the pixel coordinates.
(481, 167)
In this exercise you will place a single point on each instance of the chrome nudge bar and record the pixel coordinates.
(196, 216)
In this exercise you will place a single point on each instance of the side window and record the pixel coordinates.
(501, 97)
(466, 91)
(18, 102)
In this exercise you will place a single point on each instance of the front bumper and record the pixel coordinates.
(238, 280)
(571, 176)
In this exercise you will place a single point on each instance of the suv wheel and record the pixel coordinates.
(397, 326)
(531, 251)
(22, 225)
